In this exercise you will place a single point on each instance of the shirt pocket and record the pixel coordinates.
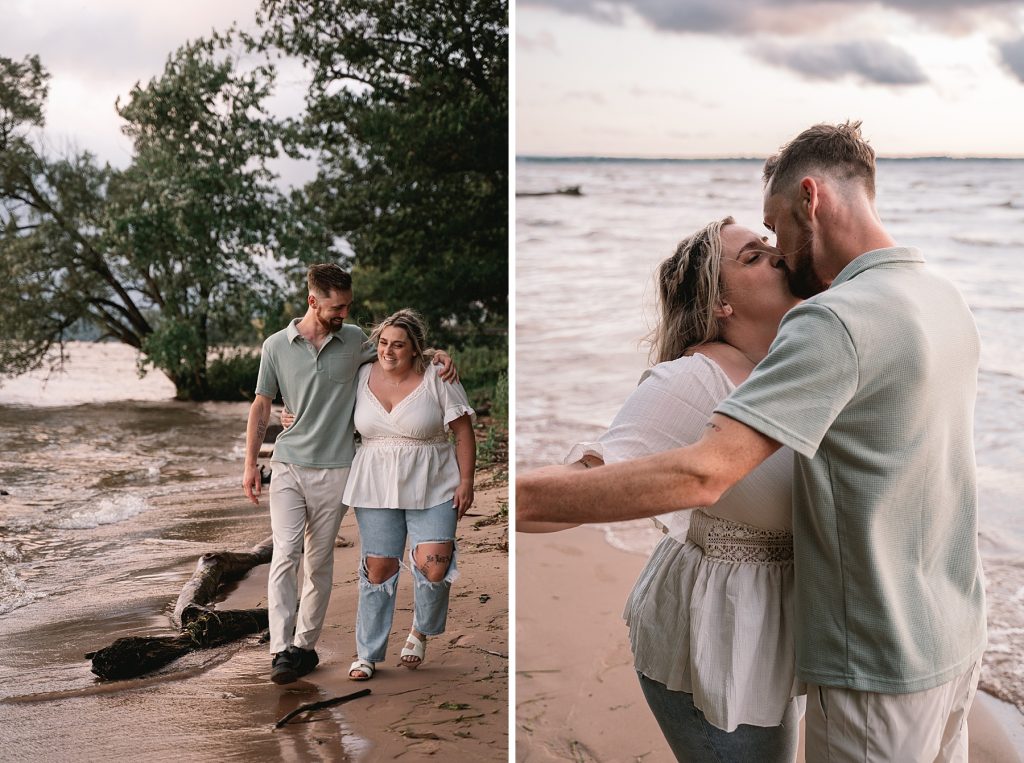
(342, 367)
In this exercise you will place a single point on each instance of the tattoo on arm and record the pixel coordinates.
(713, 425)
(261, 429)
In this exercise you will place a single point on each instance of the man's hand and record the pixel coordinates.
(252, 483)
(448, 371)
(255, 428)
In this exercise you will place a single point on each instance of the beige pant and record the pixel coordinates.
(922, 727)
(305, 512)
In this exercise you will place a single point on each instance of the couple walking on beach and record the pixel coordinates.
(405, 480)
(812, 465)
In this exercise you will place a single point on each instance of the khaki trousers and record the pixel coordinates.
(922, 727)
(305, 513)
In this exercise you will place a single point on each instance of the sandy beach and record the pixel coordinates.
(577, 697)
(219, 703)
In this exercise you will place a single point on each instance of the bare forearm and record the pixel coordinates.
(465, 448)
(630, 490)
(684, 478)
(256, 428)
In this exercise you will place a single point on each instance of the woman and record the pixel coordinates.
(407, 479)
(708, 616)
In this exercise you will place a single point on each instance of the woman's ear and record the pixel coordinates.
(722, 310)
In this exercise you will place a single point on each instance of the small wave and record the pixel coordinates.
(987, 243)
(638, 536)
(14, 593)
(109, 511)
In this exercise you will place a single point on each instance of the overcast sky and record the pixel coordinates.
(696, 78)
(96, 51)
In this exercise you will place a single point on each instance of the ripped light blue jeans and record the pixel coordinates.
(382, 533)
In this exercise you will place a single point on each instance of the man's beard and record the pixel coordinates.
(804, 282)
(329, 324)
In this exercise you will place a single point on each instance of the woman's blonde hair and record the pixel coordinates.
(412, 324)
(689, 289)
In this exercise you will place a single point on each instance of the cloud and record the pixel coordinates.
(119, 40)
(1012, 53)
(752, 16)
(874, 61)
(544, 41)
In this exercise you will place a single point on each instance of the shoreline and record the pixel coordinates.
(219, 702)
(576, 692)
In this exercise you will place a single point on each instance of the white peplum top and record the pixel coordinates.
(405, 460)
(711, 613)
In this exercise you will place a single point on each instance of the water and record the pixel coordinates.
(585, 301)
(112, 492)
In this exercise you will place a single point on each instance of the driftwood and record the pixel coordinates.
(199, 626)
(215, 569)
(320, 705)
(571, 190)
(134, 656)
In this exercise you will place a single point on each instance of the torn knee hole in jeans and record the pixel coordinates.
(448, 558)
(388, 585)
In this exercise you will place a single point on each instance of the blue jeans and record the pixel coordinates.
(694, 740)
(382, 534)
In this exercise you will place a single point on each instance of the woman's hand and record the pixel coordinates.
(287, 418)
(463, 497)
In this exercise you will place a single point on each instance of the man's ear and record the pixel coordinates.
(810, 197)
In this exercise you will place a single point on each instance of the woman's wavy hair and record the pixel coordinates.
(689, 289)
(412, 324)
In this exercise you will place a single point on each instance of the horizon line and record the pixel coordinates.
(635, 158)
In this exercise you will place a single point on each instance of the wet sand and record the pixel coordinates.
(577, 696)
(219, 703)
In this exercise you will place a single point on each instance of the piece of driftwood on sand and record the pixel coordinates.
(569, 190)
(199, 626)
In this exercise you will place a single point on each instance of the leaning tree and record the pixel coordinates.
(166, 255)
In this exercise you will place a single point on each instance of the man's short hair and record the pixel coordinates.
(328, 277)
(836, 150)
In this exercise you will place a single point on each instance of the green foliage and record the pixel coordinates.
(481, 369)
(408, 116)
(164, 255)
(484, 372)
(232, 376)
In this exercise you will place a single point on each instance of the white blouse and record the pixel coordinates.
(711, 612)
(405, 460)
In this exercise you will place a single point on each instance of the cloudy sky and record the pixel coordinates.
(96, 51)
(699, 78)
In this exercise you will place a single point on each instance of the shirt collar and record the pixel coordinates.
(293, 331)
(889, 256)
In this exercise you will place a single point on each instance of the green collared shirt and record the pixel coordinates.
(319, 387)
(872, 383)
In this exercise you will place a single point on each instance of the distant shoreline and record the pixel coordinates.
(739, 159)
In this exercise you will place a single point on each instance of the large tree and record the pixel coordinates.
(163, 255)
(408, 119)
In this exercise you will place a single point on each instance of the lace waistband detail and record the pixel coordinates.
(379, 442)
(737, 542)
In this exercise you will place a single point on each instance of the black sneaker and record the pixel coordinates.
(304, 660)
(283, 669)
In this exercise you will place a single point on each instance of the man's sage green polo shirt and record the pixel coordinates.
(319, 387)
(872, 383)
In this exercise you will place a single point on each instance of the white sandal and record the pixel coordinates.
(418, 650)
(362, 666)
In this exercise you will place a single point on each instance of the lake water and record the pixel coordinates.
(585, 300)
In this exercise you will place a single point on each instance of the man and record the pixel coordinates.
(313, 363)
(871, 381)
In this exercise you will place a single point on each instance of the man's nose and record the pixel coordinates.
(778, 261)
